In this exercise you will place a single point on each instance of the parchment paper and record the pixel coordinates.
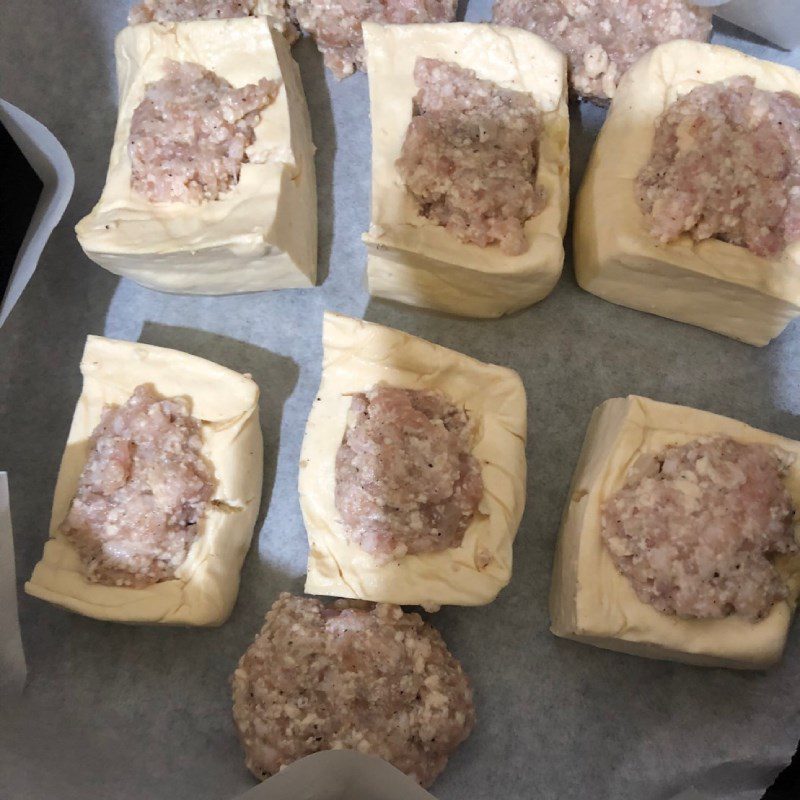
(777, 21)
(135, 713)
(338, 775)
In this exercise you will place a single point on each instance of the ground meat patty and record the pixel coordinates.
(694, 528)
(189, 135)
(350, 677)
(726, 163)
(183, 10)
(470, 156)
(142, 492)
(336, 24)
(603, 38)
(406, 481)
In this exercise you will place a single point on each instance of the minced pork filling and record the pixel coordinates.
(142, 492)
(695, 527)
(350, 676)
(470, 156)
(726, 163)
(603, 38)
(184, 10)
(336, 24)
(406, 480)
(189, 136)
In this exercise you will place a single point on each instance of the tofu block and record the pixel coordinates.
(262, 234)
(591, 602)
(357, 355)
(412, 259)
(275, 9)
(226, 403)
(712, 284)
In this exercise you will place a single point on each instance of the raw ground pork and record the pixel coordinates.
(189, 135)
(406, 481)
(470, 156)
(142, 492)
(183, 10)
(350, 676)
(726, 163)
(603, 38)
(695, 526)
(336, 24)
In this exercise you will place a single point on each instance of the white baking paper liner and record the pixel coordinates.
(338, 775)
(777, 21)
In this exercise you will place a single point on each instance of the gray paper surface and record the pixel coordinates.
(138, 712)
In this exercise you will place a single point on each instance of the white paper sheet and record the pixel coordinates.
(338, 775)
(777, 21)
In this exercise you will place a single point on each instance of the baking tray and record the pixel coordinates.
(133, 713)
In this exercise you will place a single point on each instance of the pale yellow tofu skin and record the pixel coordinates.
(592, 602)
(357, 355)
(712, 284)
(226, 403)
(413, 260)
(262, 234)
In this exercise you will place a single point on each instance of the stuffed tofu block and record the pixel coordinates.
(210, 187)
(690, 207)
(158, 490)
(603, 38)
(336, 25)
(412, 470)
(679, 540)
(186, 10)
(470, 166)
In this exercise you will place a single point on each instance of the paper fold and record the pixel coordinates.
(338, 775)
(777, 21)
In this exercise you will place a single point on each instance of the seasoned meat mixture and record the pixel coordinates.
(182, 10)
(603, 38)
(142, 492)
(189, 135)
(406, 481)
(726, 163)
(470, 156)
(350, 676)
(336, 24)
(695, 526)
